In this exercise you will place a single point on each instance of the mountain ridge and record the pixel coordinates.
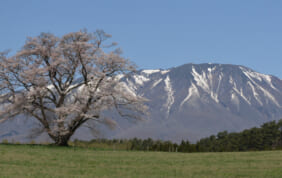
(246, 97)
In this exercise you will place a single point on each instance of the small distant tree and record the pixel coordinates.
(66, 82)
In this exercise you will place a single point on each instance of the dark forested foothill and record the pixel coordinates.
(267, 137)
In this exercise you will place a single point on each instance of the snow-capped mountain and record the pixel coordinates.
(196, 100)
(193, 101)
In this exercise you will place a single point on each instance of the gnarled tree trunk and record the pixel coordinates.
(61, 140)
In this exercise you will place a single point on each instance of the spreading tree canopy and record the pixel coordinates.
(66, 82)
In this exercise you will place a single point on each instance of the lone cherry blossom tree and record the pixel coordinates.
(66, 82)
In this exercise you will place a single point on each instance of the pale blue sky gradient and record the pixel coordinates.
(160, 33)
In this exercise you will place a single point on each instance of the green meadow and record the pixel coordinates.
(50, 161)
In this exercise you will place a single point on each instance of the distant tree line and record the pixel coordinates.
(266, 137)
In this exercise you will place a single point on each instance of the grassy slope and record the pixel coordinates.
(44, 161)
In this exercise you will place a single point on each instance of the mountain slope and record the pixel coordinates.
(192, 101)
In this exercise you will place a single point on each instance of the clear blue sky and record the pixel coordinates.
(160, 33)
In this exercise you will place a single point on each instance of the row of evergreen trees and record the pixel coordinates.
(267, 137)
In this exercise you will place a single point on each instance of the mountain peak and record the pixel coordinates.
(203, 99)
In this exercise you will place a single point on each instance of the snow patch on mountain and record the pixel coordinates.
(119, 76)
(219, 82)
(214, 96)
(192, 91)
(241, 93)
(156, 83)
(256, 95)
(149, 72)
(270, 96)
(205, 81)
(251, 75)
(164, 71)
(129, 89)
(170, 92)
(140, 79)
(211, 69)
(201, 79)
(258, 76)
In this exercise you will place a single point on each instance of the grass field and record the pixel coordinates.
(47, 161)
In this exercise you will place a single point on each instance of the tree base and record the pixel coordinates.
(62, 140)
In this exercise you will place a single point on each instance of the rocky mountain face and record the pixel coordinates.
(196, 100)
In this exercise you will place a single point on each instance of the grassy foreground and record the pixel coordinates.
(47, 161)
